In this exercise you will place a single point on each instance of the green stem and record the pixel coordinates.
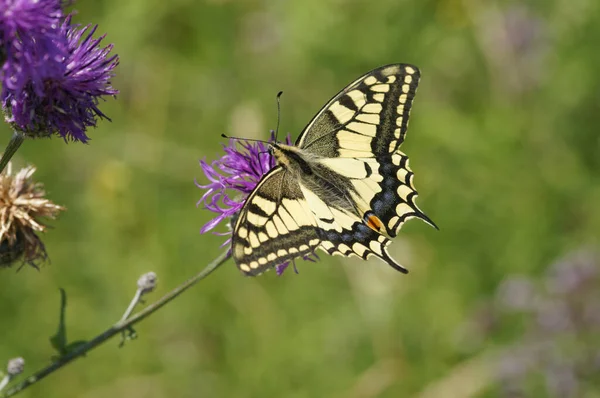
(14, 144)
(117, 328)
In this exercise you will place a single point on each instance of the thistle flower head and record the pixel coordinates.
(30, 42)
(559, 325)
(232, 178)
(237, 171)
(22, 206)
(53, 85)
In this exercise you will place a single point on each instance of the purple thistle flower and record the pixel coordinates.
(29, 41)
(238, 170)
(62, 93)
(237, 173)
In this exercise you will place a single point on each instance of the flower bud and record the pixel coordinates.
(15, 366)
(147, 282)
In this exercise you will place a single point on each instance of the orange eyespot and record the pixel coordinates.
(373, 221)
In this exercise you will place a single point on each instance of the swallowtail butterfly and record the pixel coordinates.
(344, 187)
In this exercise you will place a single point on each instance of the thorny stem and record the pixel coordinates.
(117, 328)
(14, 144)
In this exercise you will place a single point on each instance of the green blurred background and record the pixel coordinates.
(503, 139)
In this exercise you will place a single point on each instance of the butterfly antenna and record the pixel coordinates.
(278, 114)
(243, 139)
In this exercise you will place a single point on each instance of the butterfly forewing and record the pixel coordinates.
(371, 114)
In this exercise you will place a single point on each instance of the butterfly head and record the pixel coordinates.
(279, 153)
(291, 158)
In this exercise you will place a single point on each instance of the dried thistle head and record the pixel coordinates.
(22, 206)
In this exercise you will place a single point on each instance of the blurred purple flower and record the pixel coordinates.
(554, 316)
(560, 317)
(25, 21)
(523, 29)
(516, 293)
(561, 381)
(29, 42)
(52, 83)
(236, 173)
(516, 42)
(571, 274)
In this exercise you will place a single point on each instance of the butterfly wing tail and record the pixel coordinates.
(390, 261)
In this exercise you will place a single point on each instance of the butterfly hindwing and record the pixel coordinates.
(382, 185)
(274, 226)
(395, 203)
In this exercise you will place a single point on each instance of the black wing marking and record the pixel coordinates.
(360, 241)
(395, 203)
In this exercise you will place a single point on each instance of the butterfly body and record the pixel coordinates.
(308, 169)
(344, 187)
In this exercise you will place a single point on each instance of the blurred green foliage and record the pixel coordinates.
(503, 140)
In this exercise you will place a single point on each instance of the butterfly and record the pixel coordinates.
(344, 187)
